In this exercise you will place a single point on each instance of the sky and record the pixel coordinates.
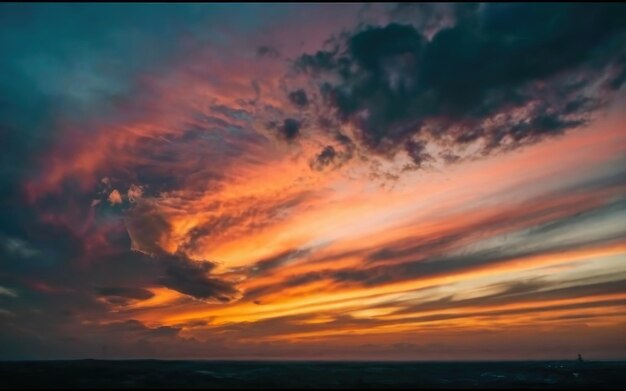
(313, 181)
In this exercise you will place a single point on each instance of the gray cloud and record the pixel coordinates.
(192, 278)
(492, 74)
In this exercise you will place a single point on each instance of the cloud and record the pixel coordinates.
(192, 278)
(146, 227)
(417, 152)
(290, 129)
(299, 98)
(194, 182)
(520, 292)
(547, 226)
(134, 328)
(334, 156)
(125, 293)
(268, 264)
(325, 158)
(496, 76)
(441, 256)
(267, 51)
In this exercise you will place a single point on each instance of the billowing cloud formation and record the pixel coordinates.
(251, 183)
(502, 75)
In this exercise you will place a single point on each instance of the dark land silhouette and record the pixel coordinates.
(572, 374)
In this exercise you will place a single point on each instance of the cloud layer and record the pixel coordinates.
(312, 181)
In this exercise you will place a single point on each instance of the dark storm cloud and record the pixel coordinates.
(501, 74)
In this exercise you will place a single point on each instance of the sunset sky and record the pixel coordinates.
(249, 181)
